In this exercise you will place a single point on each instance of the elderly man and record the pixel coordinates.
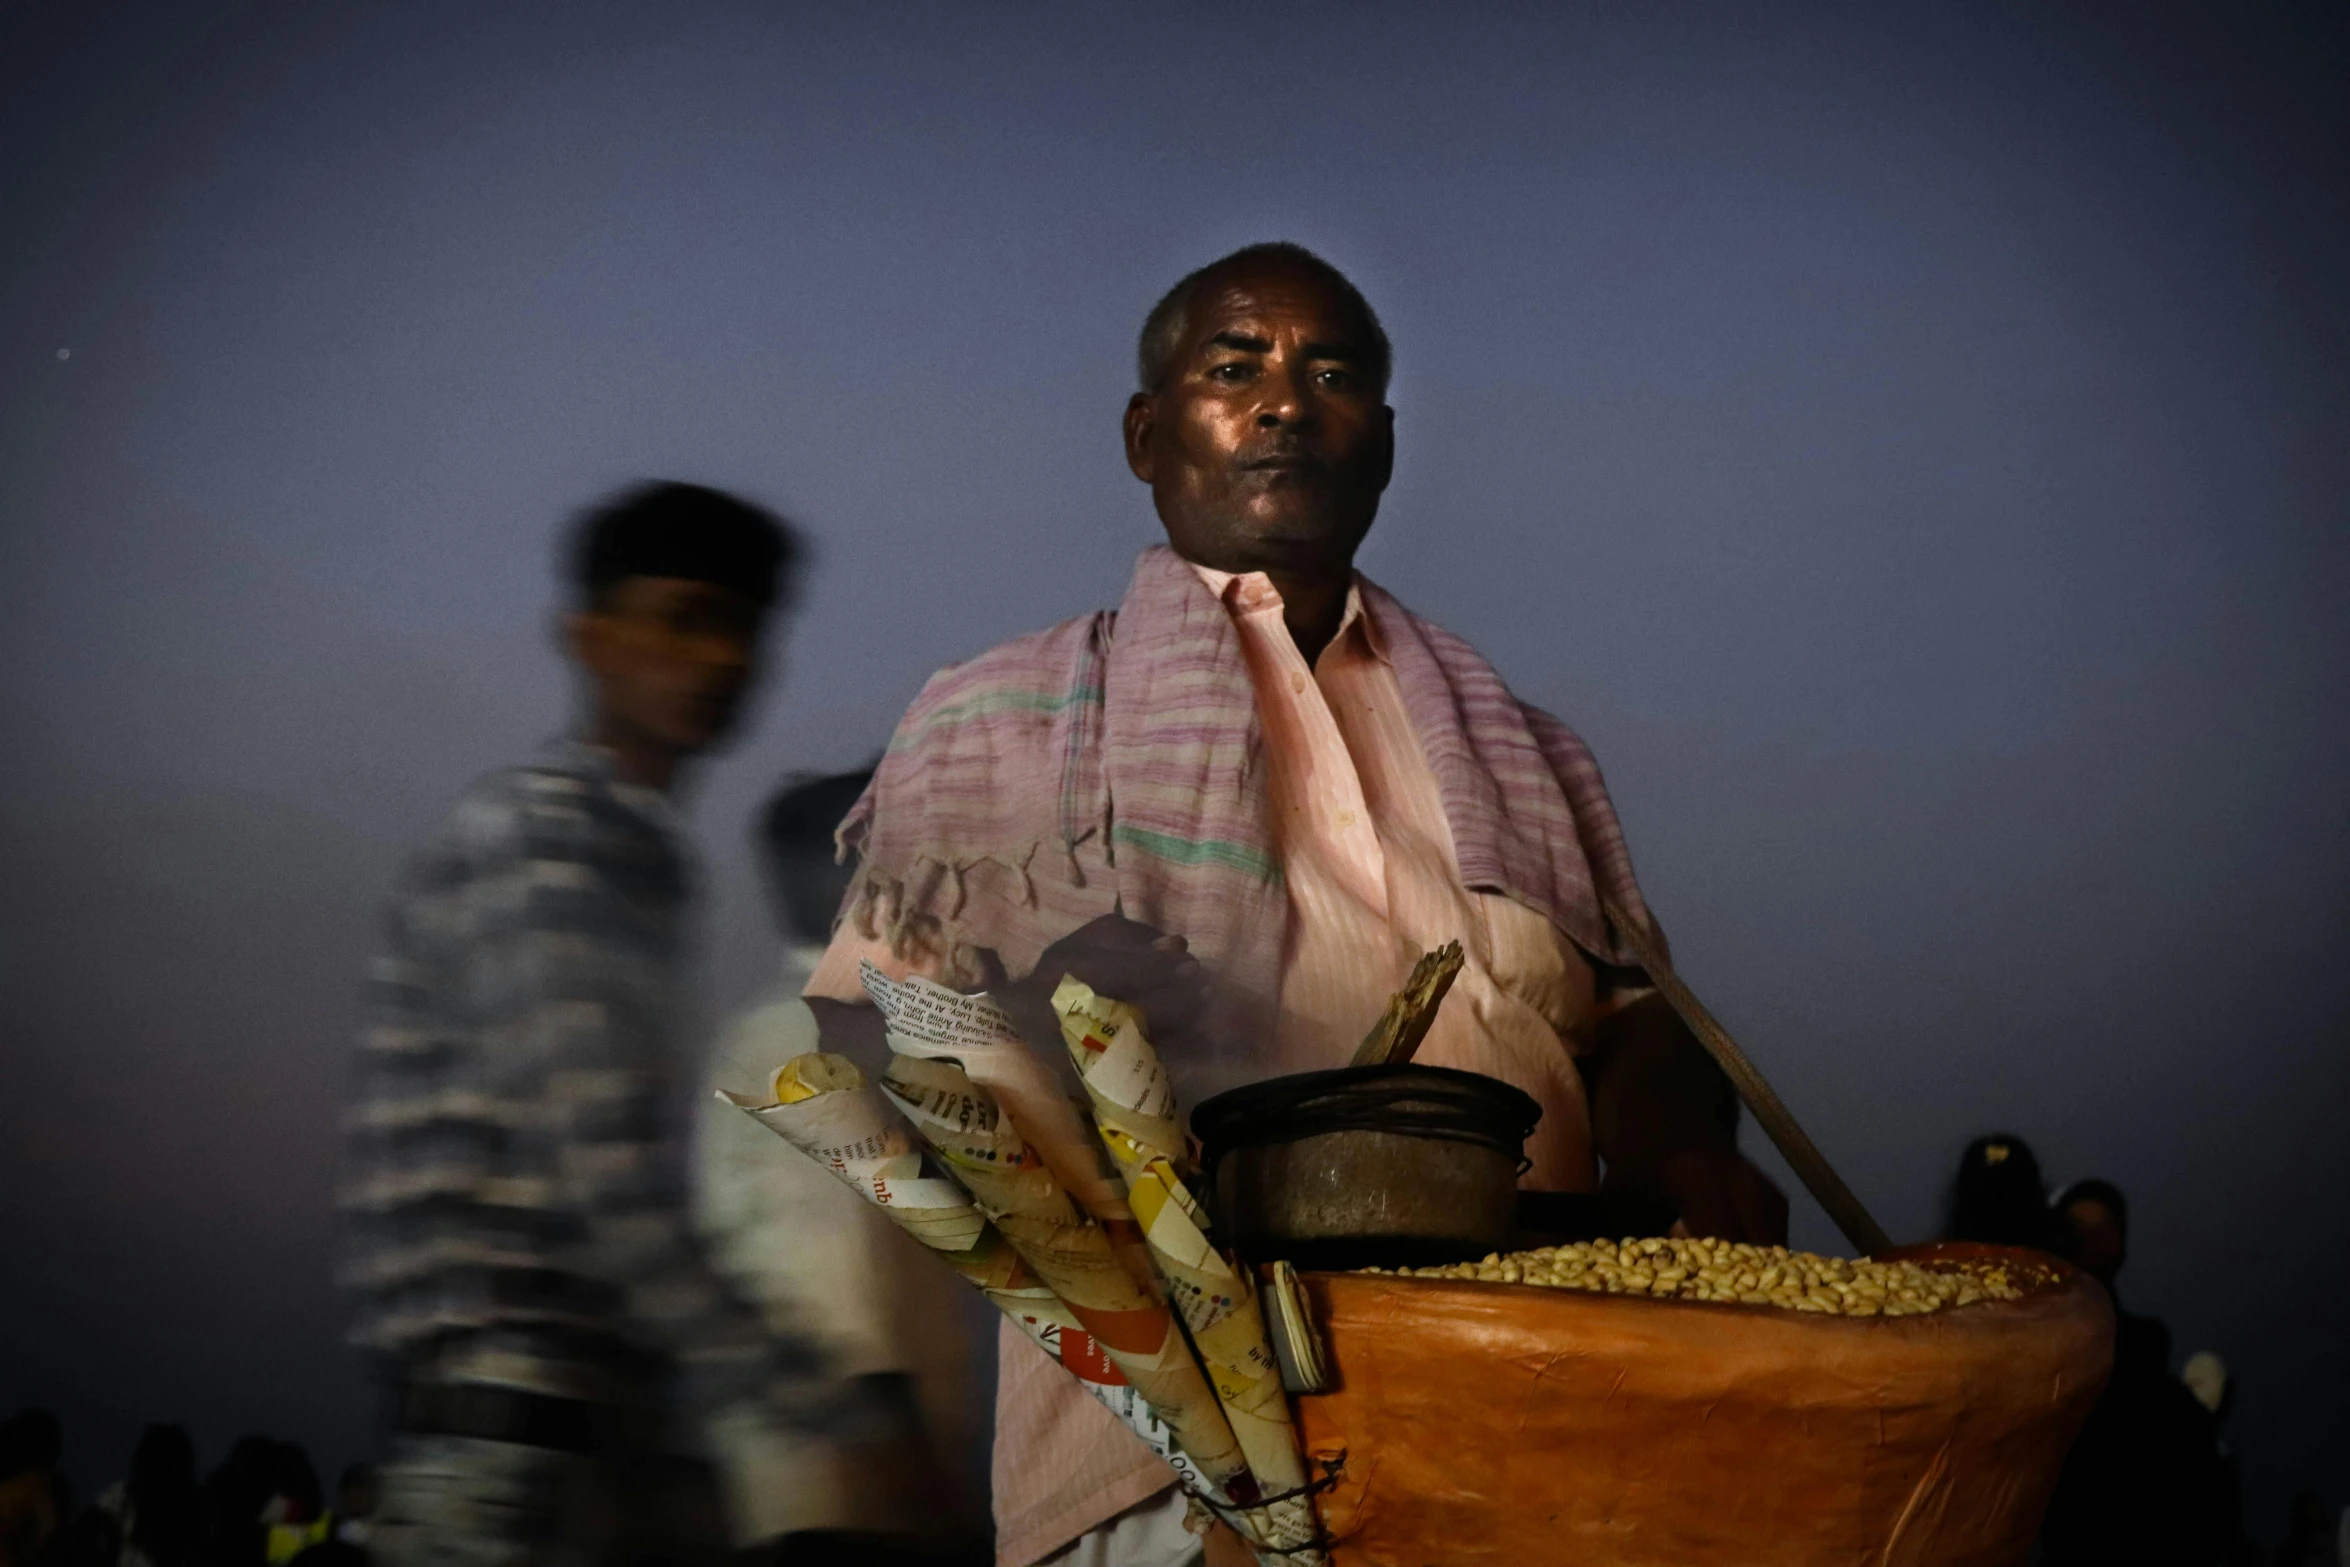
(1248, 800)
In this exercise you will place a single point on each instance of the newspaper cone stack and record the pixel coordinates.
(1134, 1107)
(824, 1107)
(928, 1020)
(1012, 1186)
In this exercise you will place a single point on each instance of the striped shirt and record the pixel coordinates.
(513, 1189)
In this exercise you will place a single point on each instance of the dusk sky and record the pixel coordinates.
(1914, 450)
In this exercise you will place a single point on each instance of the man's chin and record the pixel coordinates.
(695, 734)
(1296, 539)
(1295, 543)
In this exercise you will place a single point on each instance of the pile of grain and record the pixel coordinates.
(1746, 1275)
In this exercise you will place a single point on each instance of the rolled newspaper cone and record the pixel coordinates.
(927, 1020)
(1011, 1185)
(1134, 1107)
(824, 1107)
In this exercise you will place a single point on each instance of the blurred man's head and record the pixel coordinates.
(1262, 425)
(2097, 1228)
(808, 881)
(1998, 1197)
(674, 583)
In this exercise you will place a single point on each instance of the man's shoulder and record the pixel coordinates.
(502, 804)
(1476, 686)
(1390, 615)
(977, 750)
(1035, 674)
(554, 805)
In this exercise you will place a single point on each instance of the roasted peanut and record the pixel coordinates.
(1719, 1272)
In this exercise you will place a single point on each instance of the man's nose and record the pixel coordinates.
(727, 653)
(1286, 400)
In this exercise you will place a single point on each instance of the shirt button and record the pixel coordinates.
(1297, 682)
(1346, 818)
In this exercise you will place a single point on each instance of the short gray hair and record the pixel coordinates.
(1169, 322)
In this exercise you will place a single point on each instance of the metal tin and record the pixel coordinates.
(1369, 1195)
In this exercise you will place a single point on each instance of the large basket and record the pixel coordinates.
(1491, 1423)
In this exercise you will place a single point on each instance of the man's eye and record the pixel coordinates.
(1339, 379)
(1232, 370)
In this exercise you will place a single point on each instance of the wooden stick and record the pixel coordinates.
(1802, 1154)
(1411, 1012)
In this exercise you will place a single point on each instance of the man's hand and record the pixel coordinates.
(1721, 1194)
(1664, 1117)
(1225, 1548)
(1123, 959)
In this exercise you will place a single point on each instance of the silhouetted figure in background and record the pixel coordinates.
(356, 1494)
(2311, 1538)
(32, 1500)
(2143, 1484)
(341, 1540)
(2093, 1220)
(1998, 1197)
(236, 1490)
(806, 875)
(818, 1257)
(295, 1515)
(529, 1279)
(158, 1508)
(2207, 1377)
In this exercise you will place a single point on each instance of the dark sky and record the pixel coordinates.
(1913, 449)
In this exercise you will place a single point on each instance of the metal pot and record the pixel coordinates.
(1382, 1166)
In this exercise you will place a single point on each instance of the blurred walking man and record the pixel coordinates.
(528, 1278)
(818, 1258)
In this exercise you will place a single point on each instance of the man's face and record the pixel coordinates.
(1267, 446)
(671, 659)
(2098, 1246)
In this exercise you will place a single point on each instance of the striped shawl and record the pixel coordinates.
(1114, 762)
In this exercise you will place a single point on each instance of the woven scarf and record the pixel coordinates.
(1115, 762)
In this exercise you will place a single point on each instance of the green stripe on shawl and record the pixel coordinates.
(1245, 858)
(994, 702)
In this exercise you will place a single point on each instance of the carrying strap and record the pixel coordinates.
(1802, 1154)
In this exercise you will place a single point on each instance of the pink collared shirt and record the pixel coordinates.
(1368, 859)
(1373, 884)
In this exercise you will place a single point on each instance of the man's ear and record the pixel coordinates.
(1387, 451)
(1142, 421)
